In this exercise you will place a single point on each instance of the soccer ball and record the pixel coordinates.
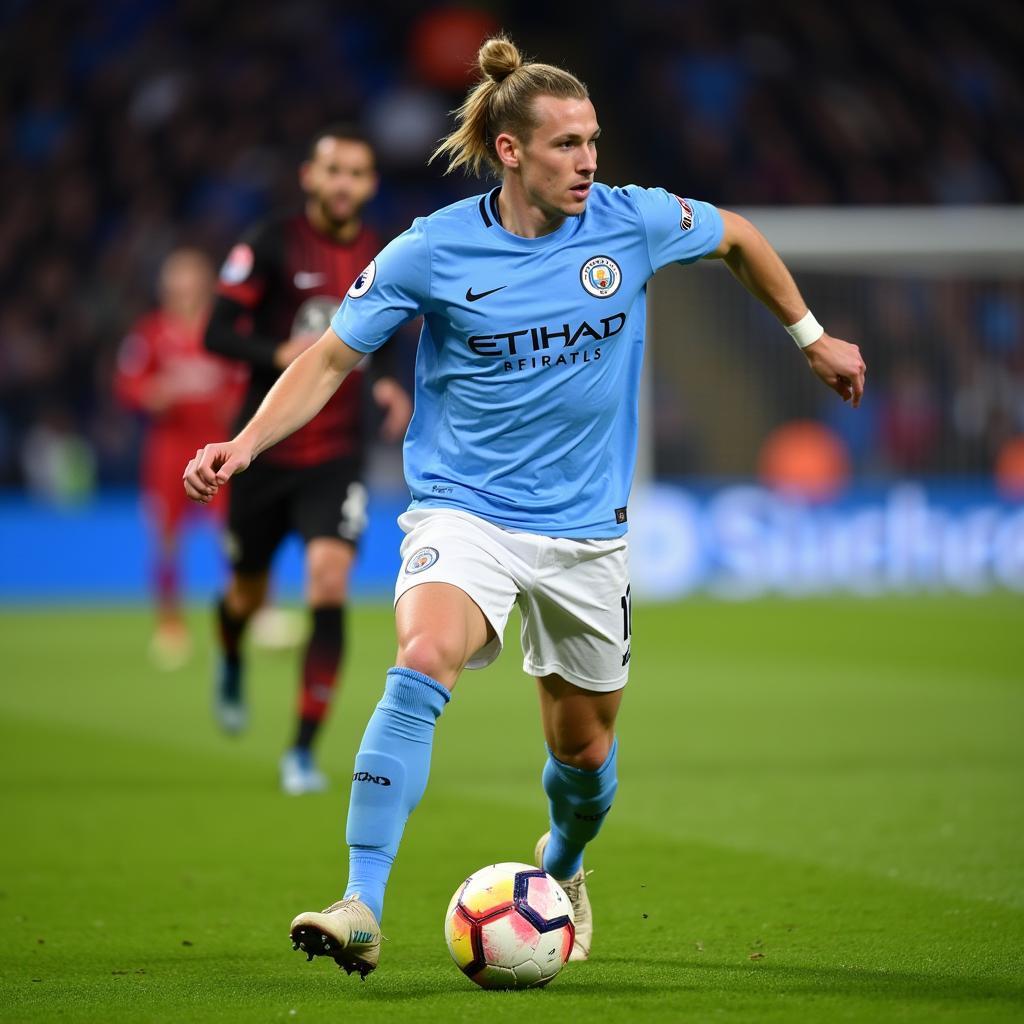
(510, 926)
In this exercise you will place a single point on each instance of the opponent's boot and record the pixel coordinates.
(299, 774)
(576, 889)
(346, 931)
(229, 698)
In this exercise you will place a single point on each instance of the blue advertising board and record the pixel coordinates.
(732, 540)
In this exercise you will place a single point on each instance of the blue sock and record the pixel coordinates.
(578, 801)
(390, 776)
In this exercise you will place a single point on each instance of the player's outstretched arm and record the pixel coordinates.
(758, 267)
(296, 397)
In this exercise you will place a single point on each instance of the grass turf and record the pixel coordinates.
(819, 819)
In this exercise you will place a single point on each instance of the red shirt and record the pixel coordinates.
(162, 350)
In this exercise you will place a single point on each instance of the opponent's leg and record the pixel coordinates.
(170, 648)
(328, 565)
(580, 781)
(244, 594)
(256, 524)
(165, 508)
(439, 629)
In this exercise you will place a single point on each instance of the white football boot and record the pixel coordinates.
(299, 774)
(346, 931)
(576, 889)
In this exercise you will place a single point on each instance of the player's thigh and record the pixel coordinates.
(440, 628)
(578, 724)
(454, 591)
(577, 616)
(257, 519)
(328, 566)
(164, 500)
(165, 514)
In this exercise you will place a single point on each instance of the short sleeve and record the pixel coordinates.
(678, 230)
(392, 290)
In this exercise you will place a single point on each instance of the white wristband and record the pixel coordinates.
(806, 331)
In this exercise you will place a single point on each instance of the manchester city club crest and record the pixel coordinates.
(601, 276)
(422, 559)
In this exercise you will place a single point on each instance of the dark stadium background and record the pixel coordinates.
(128, 128)
(819, 813)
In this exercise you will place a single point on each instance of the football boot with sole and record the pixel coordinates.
(346, 931)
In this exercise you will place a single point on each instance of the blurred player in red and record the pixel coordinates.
(165, 372)
(278, 289)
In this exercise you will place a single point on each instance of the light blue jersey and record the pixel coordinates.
(528, 368)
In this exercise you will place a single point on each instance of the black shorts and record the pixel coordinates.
(267, 502)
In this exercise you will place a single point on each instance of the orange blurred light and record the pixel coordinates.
(444, 43)
(1009, 470)
(805, 459)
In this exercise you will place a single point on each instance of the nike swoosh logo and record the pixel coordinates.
(470, 297)
(307, 279)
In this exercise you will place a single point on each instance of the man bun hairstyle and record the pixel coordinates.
(502, 101)
(498, 58)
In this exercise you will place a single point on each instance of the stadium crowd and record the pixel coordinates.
(153, 124)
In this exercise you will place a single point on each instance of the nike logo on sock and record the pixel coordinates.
(470, 297)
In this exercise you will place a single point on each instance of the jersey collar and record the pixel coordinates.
(491, 217)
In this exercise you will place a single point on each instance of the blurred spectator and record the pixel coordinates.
(186, 396)
(151, 125)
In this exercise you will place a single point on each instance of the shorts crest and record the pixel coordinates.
(601, 276)
(422, 559)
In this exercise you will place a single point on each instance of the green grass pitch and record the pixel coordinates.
(820, 818)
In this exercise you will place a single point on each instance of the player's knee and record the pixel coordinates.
(328, 585)
(588, 755)
(327, 574)
(245, 594)
(437, 656)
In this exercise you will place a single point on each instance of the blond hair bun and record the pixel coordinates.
(501, 102)
(498, 58)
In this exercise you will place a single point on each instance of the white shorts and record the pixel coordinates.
(573, 594)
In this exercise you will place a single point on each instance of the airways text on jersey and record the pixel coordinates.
(525, 341)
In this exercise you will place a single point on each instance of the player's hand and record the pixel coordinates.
(839, 365)
(212, 467)
(288, 351)
(397, 406)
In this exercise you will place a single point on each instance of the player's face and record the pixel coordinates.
(186, 282)
(559, 162)
(340, 178)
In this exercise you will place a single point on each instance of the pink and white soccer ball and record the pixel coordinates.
(510, 926)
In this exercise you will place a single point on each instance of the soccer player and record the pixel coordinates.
(164, 371)
(277, 291)
(519, 456)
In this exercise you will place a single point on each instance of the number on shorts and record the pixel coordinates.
(353, 511)
(627, 614)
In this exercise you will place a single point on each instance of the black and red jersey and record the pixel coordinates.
(272, 274)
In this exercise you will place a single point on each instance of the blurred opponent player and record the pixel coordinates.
(519, 458)
(164, 371)
(278, 289)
